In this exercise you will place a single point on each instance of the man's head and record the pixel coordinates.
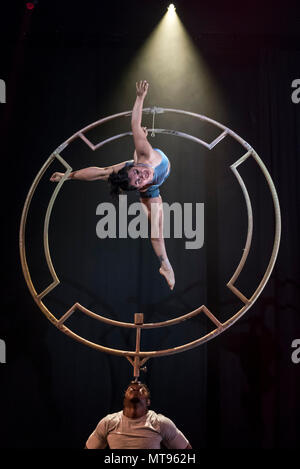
(136, 399)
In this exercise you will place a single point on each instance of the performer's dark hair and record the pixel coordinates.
(119, 182)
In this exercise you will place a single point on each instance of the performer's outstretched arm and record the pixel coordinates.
(93, 173)
(154, 210)
(142, 146)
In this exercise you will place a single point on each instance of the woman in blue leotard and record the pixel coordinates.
(143, 177)
(145, 173)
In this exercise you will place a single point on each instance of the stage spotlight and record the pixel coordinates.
(171, 8)
(174, 66)
(171, 13)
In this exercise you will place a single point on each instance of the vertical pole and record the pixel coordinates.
(138, 320)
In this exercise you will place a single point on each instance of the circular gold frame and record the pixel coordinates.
(138, 357)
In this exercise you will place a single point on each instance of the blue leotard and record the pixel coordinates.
(161, 172)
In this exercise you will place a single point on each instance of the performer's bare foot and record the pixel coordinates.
(168, 273)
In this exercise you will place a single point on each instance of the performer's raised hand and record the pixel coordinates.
(142, 88)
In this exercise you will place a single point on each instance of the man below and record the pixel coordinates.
(136, 427)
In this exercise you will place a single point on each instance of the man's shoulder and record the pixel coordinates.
(163, 420)
(114, 415)
(158, 418)
(155, 415)
(111, 419)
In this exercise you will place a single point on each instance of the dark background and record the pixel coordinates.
(62, 65)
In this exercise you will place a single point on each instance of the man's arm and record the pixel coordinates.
(142, 146)
(172, 437)
(154, 210)
(98, 439)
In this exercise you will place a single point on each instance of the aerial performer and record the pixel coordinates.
(145, 174)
